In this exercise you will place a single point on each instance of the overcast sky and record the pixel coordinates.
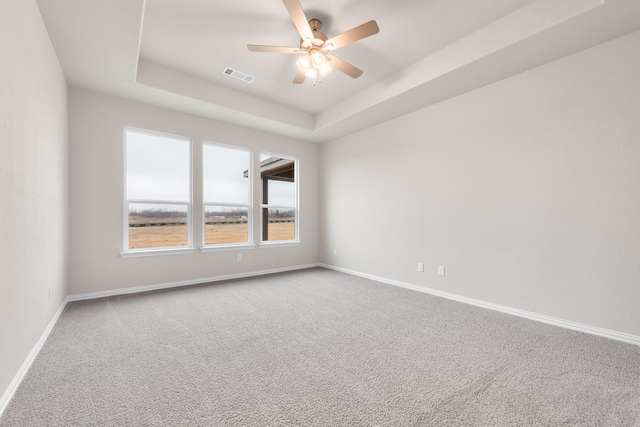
(223, 170)
(158, 169)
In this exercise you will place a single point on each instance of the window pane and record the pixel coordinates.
(157, 167)
(225, 173)
(282, 193)
(278, 176)
(279, 223)
(156, 225)
(224, 224)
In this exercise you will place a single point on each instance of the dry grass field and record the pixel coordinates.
(282, 231)
(153, 237)
(225, 233)
(176, 235)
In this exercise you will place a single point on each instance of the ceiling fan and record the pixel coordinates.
(316, 47)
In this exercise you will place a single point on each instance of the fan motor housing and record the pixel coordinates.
(318, 37)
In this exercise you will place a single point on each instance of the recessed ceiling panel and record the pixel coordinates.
(204, 37)
(172, 53)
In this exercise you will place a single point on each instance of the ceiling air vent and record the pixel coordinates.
(238, 75)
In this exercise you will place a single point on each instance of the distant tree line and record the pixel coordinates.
(277, 213)
(157, 213)
(234, 213)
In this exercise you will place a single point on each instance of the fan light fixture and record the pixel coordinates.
(314, 65)
(317, 60)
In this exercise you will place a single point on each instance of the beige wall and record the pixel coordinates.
(97, 195)
(33, 184)
(527, 191)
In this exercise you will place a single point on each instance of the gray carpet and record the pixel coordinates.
(319, 348)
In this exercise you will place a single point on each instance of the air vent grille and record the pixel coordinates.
(238, 75)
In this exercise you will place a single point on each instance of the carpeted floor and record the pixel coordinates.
(319, 348)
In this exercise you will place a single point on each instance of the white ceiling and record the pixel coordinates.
(171, 53)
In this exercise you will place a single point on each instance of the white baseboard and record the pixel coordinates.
(580, 327)
(17, 379)
(199, 281)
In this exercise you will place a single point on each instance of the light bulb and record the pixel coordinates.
(311, 73)
(317, 59)
(303, 63)
(325, 69)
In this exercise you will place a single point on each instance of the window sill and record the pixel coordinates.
(156, 252)
(280, 243)
(218, 248)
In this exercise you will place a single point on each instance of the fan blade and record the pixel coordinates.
(299, 18)
(299, 78)
(345, 67)
(276, 49)
(353, 35)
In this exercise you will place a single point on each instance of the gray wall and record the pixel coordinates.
(97, 195)
(33, 184)
(527, 191)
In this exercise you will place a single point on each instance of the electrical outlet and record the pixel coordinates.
(421, 266)
(239, 257)
(49, 293)
(441, 270)
(335, 252)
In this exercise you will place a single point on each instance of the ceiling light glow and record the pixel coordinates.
(317, 60)
(325, 69)
(314, 64)
(303, 63)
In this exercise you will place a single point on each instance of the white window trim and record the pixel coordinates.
(170, 250)
(163, 250)
(280, 243)
(227, 247)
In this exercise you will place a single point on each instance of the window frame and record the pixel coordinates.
(296, 208)
(249, 244)
(159, 250)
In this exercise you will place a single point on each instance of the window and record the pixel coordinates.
(279, 198)
(227, 194)
(158, 191)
